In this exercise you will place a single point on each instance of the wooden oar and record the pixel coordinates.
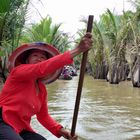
(81, 78)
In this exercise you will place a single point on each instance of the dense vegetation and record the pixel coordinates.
(115, 53)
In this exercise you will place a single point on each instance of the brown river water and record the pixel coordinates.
(107, 112)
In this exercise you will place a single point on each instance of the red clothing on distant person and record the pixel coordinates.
(19, 99)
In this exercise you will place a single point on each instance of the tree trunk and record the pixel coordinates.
(114, 75)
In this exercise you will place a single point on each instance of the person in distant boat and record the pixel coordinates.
(24, 93)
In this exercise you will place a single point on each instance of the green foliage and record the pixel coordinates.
(12, 18)
(4, 6)
(46, 32)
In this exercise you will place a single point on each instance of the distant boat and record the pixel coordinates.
(65, 77)
(66, 73)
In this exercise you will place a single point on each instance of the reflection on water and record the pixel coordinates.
(107, 112)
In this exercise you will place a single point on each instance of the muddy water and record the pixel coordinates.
(107, 112)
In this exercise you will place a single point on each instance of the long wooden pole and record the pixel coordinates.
(81, 78)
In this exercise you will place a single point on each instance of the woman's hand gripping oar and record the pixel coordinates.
(81, 78)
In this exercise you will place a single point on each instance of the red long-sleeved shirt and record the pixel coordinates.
(19, 99)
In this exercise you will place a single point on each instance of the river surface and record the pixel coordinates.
(107, 112)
